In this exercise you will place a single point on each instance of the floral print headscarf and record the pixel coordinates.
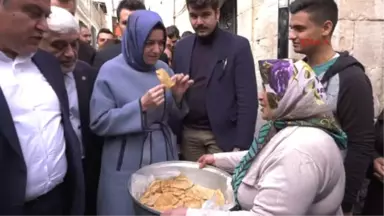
(296, 98)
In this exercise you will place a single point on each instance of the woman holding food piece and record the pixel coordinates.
(295, 167)
(132, 99)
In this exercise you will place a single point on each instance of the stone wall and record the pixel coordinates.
(361, 32)
(257, 21)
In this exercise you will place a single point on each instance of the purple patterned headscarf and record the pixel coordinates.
(293, 90)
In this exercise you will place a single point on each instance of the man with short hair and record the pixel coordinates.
(61, 40)
(103, 37)
(349, 91)
(40, 159)
(125, 8)
(223, 100)
(173, 35)
(85, 34)
(186, 34)
(86, 52)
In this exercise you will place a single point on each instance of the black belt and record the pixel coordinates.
(147, 146)
(148, 130)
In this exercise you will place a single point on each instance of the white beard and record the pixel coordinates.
(68, 69)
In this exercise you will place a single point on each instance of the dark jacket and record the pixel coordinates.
(374, 200)
(85, 77)
(352, 92)
(86, 52)
(12, 165)
(231, 99)
(379, 144)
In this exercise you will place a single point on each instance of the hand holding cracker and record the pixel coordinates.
(164, 78)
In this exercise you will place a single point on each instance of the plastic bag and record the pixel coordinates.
(229, 200)
(139, 183)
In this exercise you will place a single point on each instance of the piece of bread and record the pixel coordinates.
(164, 78)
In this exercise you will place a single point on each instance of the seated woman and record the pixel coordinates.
(299, 168)
(130, 108)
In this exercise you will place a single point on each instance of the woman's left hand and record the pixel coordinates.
(182, 83)
(175, 212)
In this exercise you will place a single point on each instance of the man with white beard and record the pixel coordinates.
(62, 41)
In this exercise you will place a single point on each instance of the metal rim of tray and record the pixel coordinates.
(207, 167)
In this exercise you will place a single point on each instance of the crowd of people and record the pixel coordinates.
(77, 122)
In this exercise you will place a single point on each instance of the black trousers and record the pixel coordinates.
(374, 200)
(51, 203)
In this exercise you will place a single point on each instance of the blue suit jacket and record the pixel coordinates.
(13, 169)
(231, 99)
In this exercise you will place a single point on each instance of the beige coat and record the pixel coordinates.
(299, 172)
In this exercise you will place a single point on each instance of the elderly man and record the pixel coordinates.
(40, 160)
(62, 40)
(86, 52)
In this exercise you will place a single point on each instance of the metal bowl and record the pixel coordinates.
(209, 177)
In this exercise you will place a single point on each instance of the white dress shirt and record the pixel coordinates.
(36, 114)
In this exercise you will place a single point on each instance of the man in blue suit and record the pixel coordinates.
(223, 101)
(40, 159)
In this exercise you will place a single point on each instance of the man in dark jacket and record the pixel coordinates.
(223, 100)
(79, 78)
(125, 8)
(86, 52)
(349, 91)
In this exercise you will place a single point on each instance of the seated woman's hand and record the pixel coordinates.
(207, 159)
(153, 98)
(175, 212)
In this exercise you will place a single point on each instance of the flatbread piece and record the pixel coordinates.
(164, 78)
(177, 192)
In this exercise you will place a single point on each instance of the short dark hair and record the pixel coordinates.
(186, 33)
(319, 10)
(173, 31)
(131, 5)
(200, 4)
(106, 31)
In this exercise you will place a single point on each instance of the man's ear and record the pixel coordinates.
(327, 28)
(218, 14)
